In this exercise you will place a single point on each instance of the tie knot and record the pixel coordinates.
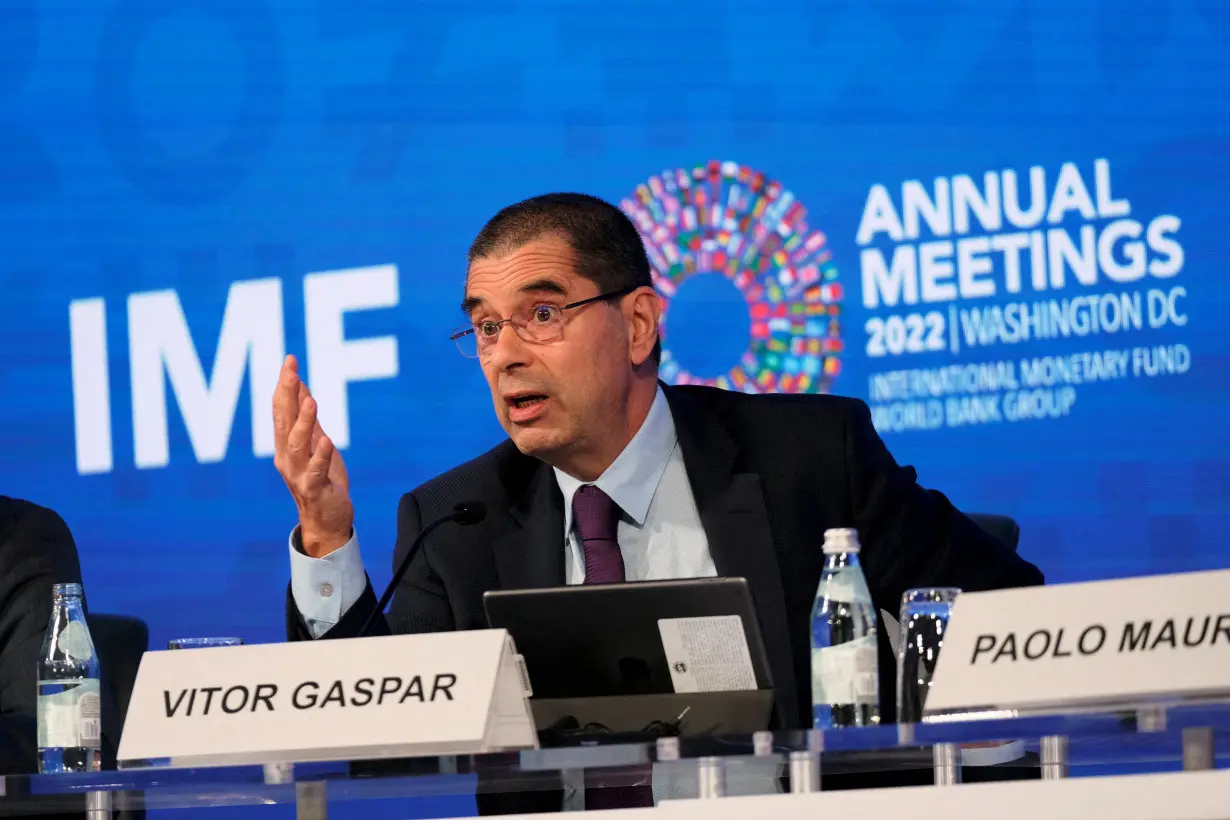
(595, 513)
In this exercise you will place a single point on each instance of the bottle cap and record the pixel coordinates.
(66, 590)
(840, 540)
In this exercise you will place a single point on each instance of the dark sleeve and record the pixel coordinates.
(913, 537)
(419, 603)
(37, 553)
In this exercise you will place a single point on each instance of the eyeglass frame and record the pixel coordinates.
(461, 332)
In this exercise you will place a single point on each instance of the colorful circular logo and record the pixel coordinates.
(725, 218)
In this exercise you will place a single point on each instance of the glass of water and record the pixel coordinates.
(924, 619)
(201, 643)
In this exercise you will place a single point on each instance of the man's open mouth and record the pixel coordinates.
(527, 400)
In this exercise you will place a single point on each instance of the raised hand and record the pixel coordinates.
(310, 465)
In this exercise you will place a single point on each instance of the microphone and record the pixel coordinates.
(465, 514)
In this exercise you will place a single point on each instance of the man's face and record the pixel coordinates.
(560, 399)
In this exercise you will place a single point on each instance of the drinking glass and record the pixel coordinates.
(924, 618)
(201, 643)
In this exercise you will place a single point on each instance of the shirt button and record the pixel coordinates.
(326, 590)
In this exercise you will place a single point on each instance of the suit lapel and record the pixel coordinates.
(531, 554)
(732, 512)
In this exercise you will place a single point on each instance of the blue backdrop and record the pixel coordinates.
(1000, 223)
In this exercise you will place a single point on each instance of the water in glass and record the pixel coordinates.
(924, 619)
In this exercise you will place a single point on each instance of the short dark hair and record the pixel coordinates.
(609, 251)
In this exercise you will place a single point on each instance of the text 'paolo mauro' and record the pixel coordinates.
(309, 694)
(1133, 636)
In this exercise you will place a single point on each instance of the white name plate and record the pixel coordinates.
(1073, 646)
(404, 695)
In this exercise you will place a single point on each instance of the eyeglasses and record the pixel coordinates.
(538, 324)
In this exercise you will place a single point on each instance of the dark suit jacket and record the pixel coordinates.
(36, 552)
(769, 474)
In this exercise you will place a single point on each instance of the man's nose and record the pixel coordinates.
(509, 350)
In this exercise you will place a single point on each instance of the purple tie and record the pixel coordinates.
(597, 517)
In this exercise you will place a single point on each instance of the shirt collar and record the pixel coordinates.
(632, 479)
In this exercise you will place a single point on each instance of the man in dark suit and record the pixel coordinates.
(609, 475)
(36, 553)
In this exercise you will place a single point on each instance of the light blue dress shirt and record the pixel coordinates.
(660, 533)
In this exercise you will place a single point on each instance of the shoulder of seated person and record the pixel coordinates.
(17, 513)
(484, 477)
(733, 404)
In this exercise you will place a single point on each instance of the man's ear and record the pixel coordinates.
(642, 311)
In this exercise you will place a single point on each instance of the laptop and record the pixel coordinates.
(587, 649)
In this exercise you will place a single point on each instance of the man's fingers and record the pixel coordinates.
(318, 467)
(300, 437)
(317, 430)
(285, 401)
(304, 454)
(337, 468)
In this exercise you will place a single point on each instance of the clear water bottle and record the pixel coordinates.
(845, 676)
(69, 699)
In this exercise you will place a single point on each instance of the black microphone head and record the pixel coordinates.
(469, 512)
